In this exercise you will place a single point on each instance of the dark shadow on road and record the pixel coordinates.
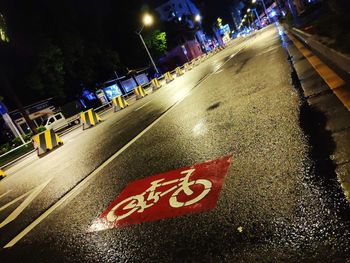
(245, 61)
(214, 106)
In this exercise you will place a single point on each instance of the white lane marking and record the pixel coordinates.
(14, 200)
(84, 183)
(142, 106)
(4, 194)
(31, 195)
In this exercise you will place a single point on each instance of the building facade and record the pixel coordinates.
(178, 10)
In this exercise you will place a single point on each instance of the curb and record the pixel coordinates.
(17, 159)
(339, 59)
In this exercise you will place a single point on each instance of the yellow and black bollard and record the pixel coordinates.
(139, 92)
(168, 77)
(179, 72)
(46, 141)
(155, 84)
(89, 118)
(187, 67)
(2, 174)
(119, 103)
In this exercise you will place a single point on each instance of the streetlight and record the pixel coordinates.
(248, 10)
(147, 21)
(200, 36)
(263, 3)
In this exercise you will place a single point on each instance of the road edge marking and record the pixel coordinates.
(334, 82)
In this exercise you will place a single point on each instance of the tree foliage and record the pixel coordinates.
(55, 46)
(156, 41)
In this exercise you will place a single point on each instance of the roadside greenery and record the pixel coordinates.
(4, 148)
(157, 43)
(15, 154)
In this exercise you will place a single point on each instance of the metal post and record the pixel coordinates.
(267, 15)
(12, 127)
(149, 54)
(257, 16)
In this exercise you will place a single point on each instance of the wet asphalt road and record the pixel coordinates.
(273, 207)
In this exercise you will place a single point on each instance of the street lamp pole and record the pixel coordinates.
(257, 16)
(147, 20)
(149, 54)
(265, 10)
(267, 15)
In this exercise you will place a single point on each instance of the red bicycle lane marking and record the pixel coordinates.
(191, 189)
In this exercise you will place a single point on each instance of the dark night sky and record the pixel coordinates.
(119, 19)
(94, 25)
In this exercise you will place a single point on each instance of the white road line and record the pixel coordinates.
(142, 106)
(7, 192)
(84, 183)
(31, 196)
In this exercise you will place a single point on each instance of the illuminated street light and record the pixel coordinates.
(147, 20)
(248, 10)
(253, 1)
(198, 18)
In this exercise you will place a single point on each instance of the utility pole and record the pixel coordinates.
(264, 6)
(149, 54)
(265, 10)
(257, 16)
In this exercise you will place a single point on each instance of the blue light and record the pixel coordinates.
(88, 95)
(272, 13)
(112, 91)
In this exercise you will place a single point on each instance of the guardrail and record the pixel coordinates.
(339, 59)
(14, 149)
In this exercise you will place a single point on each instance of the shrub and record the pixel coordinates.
(41, 129)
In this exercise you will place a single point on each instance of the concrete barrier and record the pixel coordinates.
(139, 92)
(2, 174)
(179, 72)
(168, 77)
(187, 67)
(119, 103)
(155, 84)
(89, 119)
(46, 141)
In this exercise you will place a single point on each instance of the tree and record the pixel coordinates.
(60, 45)
(156, 41)
(47, 77)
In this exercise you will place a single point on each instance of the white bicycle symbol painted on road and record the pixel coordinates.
(139, 203)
